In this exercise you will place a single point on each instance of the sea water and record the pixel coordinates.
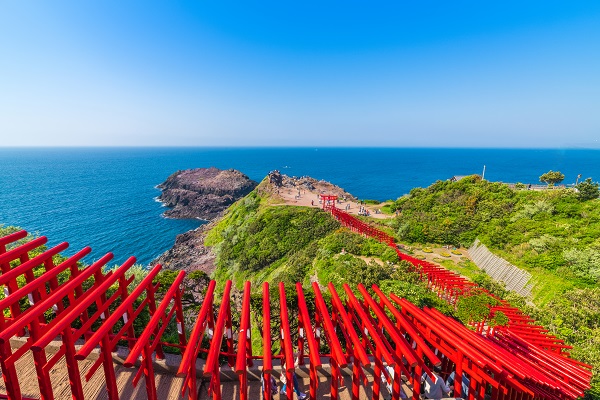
(106, 197)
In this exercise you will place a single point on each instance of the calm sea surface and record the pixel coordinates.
(105, 197)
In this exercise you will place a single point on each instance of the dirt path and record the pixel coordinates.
(309, 198)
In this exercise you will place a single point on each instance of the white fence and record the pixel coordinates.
(501, 270)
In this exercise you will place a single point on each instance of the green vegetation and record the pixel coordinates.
(258, 242)
(371, 202)
(552, 177)
(588, 190)
(575, 317)
(553, 234)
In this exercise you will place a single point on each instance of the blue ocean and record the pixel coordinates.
(105, 197)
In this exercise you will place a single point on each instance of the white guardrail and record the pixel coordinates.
(501, 270)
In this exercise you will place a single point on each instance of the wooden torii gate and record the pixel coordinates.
(359, 328)
(328, 201)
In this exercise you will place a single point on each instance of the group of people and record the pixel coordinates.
(432, 387)
(275, 389)
(364, 211)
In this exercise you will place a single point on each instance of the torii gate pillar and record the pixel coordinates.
(328, 201)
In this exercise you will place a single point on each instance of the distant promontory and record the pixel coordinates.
(203, 193)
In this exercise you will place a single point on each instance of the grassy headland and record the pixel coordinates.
(553, 234)
(259, 241)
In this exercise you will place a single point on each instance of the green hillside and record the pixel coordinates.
(259, 242)
(554, 234)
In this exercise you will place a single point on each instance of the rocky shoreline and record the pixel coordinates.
(189, 253)
(203, 193)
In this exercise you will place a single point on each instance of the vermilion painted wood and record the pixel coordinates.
(328, 201)
(187, 367)
(519, 361)
(267, 357)
(286, 342)
(306, 331)
(156, 326)
(330, 332)
(241, 364)
(8, 239)
(211, 368)
(359, 351)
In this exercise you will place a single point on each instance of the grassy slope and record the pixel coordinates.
(542, 232)
(259, 241)
(551, 234)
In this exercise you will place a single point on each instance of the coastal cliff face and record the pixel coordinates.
(207, 193)
(189, 253)
(204, 192)
(199, 193)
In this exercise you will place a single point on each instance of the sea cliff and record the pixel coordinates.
(203, 193)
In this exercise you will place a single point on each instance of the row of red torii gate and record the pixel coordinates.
(362, 333)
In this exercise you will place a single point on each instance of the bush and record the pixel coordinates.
(588, 190)
(475, 308)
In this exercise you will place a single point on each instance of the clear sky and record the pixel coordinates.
(300, 73)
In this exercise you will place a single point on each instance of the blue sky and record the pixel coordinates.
(285, 73)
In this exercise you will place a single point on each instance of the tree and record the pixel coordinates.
(588, 190)
(552, 177)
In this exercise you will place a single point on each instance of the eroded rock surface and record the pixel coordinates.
(203, 193)
(189, 253)
(280, 181)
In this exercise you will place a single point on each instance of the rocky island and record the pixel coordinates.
(203, 193)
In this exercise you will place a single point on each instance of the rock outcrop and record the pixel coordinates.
(280, 181)
(189, 253)
(203, 193)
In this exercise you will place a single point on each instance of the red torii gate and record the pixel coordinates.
(450, 286)
(382, 330)
(77, 307)
(328, 201)
(378, 331)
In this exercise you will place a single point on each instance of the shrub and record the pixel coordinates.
(588, 190)
(373, 202)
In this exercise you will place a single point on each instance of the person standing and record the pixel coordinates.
(301, 395)
(272, 384)
(434, 388)
(464, 385)
(387, 394)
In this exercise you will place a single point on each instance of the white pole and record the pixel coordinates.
(483, 175)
